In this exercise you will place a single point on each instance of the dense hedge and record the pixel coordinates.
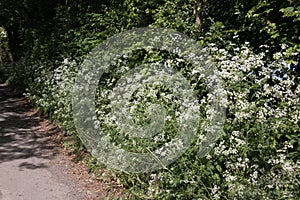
(253, 44)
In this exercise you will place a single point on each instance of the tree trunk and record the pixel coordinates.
(14, 44)
(198, 14)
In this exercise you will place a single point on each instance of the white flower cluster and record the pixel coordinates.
(52, 91)
(259, 98)
(260, 130)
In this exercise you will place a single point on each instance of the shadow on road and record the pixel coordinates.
(22, 134)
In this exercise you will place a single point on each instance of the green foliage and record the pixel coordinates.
(253, 43)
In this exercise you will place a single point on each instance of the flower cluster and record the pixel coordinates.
(258, 153)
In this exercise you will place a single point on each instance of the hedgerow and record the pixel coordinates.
(255, 157)
(257, 153)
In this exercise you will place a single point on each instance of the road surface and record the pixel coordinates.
(31, 165)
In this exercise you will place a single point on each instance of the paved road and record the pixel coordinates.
(27, 152)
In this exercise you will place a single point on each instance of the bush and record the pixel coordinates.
(256, 156)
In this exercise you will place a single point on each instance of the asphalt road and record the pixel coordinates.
(28, 169)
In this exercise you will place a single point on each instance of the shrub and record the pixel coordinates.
(257, 156)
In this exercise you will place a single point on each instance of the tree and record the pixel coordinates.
(254, 44)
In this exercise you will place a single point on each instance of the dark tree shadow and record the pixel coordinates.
(28, 165)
